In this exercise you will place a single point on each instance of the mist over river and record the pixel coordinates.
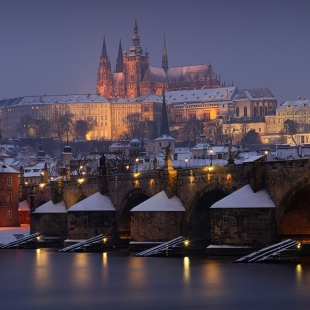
(46, 279)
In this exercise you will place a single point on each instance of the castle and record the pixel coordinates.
(133, 76)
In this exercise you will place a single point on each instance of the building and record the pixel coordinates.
(9, 196)
(133, 76)
(294, 110)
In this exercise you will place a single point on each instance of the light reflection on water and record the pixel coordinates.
(187, 271)
(116, 280)
(81, 274)
(42, 270)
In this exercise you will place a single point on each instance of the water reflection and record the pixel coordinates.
(42, 270)
(298, 273)
(186, 269)
(212, 278)
(137, 272)
(105, 266)
(81, 266)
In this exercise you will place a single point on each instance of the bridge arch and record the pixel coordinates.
(129, 201)
(293, 214)
(198, 219)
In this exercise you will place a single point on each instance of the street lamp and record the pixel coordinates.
(266, 153)
(186, 160)
(211, 152)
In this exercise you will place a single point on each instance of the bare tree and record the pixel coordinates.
(61, 124)
(291, 128)
(82, 127)
(191, 129)
(282, 138)
(134, 125)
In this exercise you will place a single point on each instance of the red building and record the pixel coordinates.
(9, 198)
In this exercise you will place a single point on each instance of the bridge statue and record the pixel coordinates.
(168, 160)
(231, 156)
(155, 163)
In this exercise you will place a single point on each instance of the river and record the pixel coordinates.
(45, 279)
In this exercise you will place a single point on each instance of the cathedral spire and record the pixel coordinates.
(104, 49)
(135, 48)
(164, 126)
(119, 59)
(164, 61)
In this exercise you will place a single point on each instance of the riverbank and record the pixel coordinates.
(10, 234)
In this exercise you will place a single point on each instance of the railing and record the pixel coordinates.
(20, 241)
(267, 252)
(162, 247)
(82, 244)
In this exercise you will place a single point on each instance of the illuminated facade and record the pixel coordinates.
(133, 76)
(209, 104)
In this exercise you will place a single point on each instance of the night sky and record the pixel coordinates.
(53, 46)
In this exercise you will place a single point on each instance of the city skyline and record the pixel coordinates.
(53, 47)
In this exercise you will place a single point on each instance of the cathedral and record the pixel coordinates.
(133, 76)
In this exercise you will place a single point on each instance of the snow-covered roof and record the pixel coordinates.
(294, 104)
(23, 206)
(159, 203)
(207, 96)
(188, 73)
(245, 198)
(164, 137)
(155, 74)
(254, 94)
(50, 207)
(48, 99)
(95, 202)
(253, 158)
(4, 168)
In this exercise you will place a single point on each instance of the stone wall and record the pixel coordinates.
(49, 224)
(243, 227)
(156, 226)
(88, 224)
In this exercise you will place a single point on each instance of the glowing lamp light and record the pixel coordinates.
(80, 181)
(186, 242)
(105, 240)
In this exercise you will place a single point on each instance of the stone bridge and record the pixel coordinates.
(287, 183)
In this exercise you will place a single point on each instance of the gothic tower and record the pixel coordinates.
(135, 66)
(164, 59)
(119, 59)
(104, 77)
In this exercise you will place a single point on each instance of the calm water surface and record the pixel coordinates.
(45, 279)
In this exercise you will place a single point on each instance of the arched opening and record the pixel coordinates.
(199, 222)
(295, 220)
(245, 111)
(133, 199)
